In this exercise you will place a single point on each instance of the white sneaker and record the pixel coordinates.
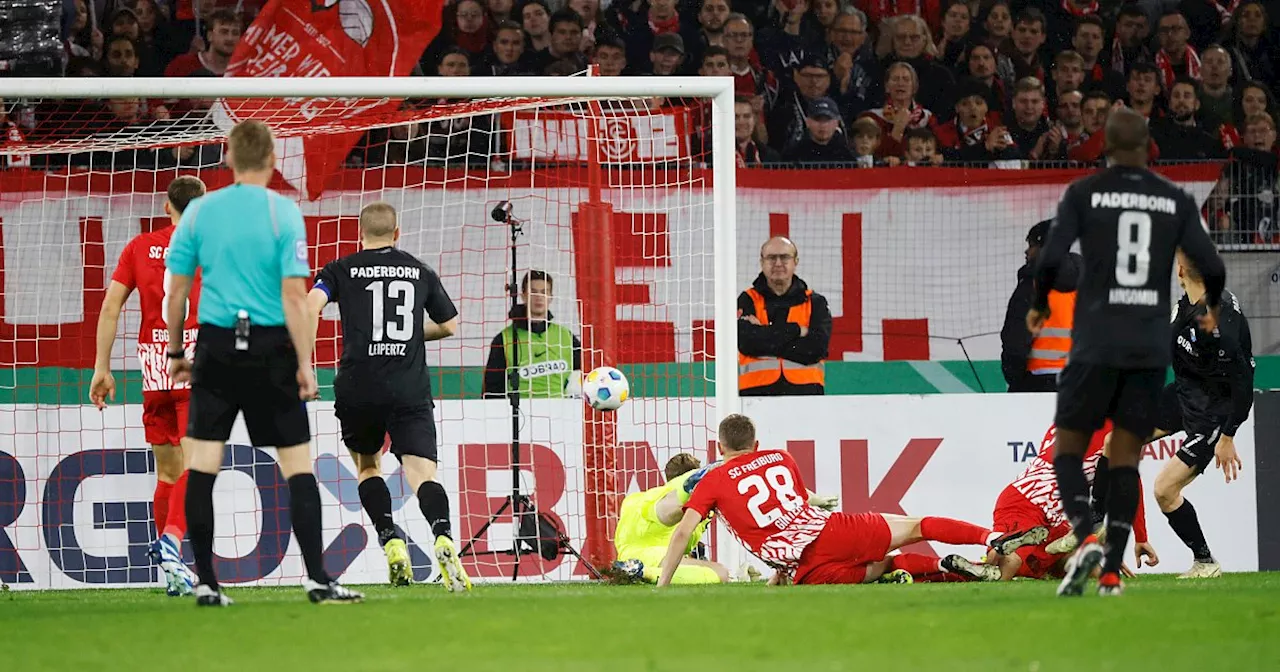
(208, 597)
(1202, 570)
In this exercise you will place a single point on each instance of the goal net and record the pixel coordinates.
(619, 225)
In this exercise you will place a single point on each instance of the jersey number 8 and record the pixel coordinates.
(778, 480)
(1133, 249)
(402, 293)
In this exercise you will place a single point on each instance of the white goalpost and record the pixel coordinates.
(625, 190)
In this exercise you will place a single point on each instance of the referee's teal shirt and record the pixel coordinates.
(246, 240)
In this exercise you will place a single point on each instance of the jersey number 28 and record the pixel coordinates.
(777, 481)
(401, 292)
(1133, 249)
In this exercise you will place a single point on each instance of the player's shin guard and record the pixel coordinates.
(1186, 525)
(1101, 482)
(176, 525)
(376, 500)
(915, 564)
(1122, 506)
(1073, 491)
(304, 507)
(161, 501)
(951, 531)
(434, 503)
(200, 524)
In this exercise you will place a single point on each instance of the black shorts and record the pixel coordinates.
(1089, 394)
(365, 429)
(260, 382)
(1198, 447)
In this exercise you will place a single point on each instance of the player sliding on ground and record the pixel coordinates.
(385, 297)
(164, 402)
(758, 496)
(1032, 500)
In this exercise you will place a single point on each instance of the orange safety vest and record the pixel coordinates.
(763, 371)
(1049, 350)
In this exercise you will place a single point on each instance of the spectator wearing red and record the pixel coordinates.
(750, 77)
(751, 153)
(911, 44)
(1242, 206)
(1179, 134)
(976, 134)
(878, 11)
(610, 56)
(810, 80)
(1216, 96)
(855, 73)
(506, 57)
(1069, 113)
(535, 18)
(957, 38)
(1067, 74)
(900, 111)
(1176, 58)
(1029, 127)
(223, 28)
(1028, 39)
(1087, 41)
(982, 68)
(566, 43)
(640, 29)
(1253, 48)
(1061, 18)
(1086, 147)
(1143, 88)
(592, 21)
(823, 141)
(1129, 41)
(11, 132)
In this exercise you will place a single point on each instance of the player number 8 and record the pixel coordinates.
(1133, 249)
(778, 480)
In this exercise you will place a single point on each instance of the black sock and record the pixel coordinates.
(304, 507)
(1073, 490)
(1122, 506)
(1186, 525)
(376, 499)
(434, 503)
(1101, 482)
(200, 524)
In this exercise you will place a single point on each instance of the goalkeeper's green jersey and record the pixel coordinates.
(638, 525)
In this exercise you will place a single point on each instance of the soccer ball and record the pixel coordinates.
(605, 389)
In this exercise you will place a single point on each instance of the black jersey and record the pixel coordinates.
(1129, 222)
(384, 295)
(1213, 370)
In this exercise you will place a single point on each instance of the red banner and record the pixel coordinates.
(329, 38)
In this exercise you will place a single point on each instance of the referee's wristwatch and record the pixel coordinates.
(180, 354)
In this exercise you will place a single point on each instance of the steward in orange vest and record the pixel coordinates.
(782, 336)
(1032, 364)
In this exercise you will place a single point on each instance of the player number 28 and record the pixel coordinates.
(402, 293)
(776, 480)
(1133, 249)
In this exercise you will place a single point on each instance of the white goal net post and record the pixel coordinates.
(633, 224)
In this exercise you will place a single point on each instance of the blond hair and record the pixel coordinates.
(378, 220)
(251, 146)
(737, 432)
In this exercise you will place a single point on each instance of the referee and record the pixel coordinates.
(254, 350)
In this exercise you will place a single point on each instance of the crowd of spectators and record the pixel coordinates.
(869, 83)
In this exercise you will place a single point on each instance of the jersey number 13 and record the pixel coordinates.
(401, 295)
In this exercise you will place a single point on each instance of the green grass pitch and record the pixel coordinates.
(1159, 625)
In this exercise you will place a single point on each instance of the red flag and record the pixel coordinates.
(324, 38)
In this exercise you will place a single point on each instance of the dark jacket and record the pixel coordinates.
(781, 338)
(1185, 143)
(495, 368)
(1015, 340)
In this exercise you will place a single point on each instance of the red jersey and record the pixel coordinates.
(761, 497)
(142, 267)
(1039, 483)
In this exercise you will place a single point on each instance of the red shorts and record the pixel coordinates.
(847, 543)
(1014, 513)
(164, 416)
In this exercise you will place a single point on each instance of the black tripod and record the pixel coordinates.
(530, 527)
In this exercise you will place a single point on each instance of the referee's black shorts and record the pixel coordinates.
(1089, 394)
(260, 382)
(365, 428)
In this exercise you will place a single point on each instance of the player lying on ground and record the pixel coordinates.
(1032, 500)
(758, 496)
(385, 297)
(164, 402)
(1129, 222)
(649, 518)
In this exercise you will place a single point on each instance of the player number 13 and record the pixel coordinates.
(1133, 249)
(402, 293)
(776, 479)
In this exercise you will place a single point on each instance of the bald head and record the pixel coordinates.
(778, 257)
(1127, 131)
(779, 244)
